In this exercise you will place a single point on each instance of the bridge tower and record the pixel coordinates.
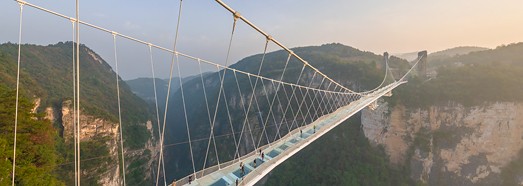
(385, 58)
(422, 66)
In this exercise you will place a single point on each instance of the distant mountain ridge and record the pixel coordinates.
(462, 50)
(451, 52)
(505, 54)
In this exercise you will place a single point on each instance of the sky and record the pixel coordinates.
(395, 26)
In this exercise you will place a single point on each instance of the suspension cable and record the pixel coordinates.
(160, 160)
(78, 172)
(17, 92)
(209, 111)
(413, 66)
(74, 101)
(184, 107)
(290, 100)
(119, 108)
(230, 123)
(312, 106)
(220, 89)
(256, 83)
(168, 50)
(303, 100)
(276, 92)
(175, 57)
(278, 43)
(245, 121)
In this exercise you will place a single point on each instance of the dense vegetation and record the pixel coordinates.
(46, 74)
(36, 155)
(342, 157)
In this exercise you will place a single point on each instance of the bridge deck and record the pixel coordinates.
(282, 149)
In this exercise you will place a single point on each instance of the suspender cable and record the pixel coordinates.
(174, 56)
(322, 102)
(279, 44)
(160, 160)
(209, 110)
(290, 99)
(235, 18)
(256, 83)
(74, 102)
(230, 123)
(303, 100)
(413, 66)
(184, 107)
(78, 172)
(276, 94)
(119, 108)
(245, 121)
(253, 88)
(168, 50)
(312, 98)
(312, 106)
(13, 174)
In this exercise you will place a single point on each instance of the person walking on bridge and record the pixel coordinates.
(242, 169)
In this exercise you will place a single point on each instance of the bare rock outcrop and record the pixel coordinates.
(450, 144)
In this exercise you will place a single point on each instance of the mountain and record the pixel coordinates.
(438, 58)
(410, 56)
(457, 51)
(462, 127)
(46, 80)
(144, 88)
(505, 54)
(354, 68)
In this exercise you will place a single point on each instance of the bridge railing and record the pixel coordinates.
(212, 169)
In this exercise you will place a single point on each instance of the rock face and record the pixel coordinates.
(90, 126)
(450, 144)
(93, 128)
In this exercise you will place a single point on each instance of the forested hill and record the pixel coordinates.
(349, 66)
(451, 52)
(504, 54)
(46, 75)
(471, 79)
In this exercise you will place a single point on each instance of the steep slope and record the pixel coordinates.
(46, 73)
(351, 67)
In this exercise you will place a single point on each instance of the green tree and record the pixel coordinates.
(36, 156)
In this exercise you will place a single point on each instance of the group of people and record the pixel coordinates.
(242, 166)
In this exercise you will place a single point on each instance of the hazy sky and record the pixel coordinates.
(396, 26)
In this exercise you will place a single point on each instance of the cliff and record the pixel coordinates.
(452, 144)
(46, 79)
